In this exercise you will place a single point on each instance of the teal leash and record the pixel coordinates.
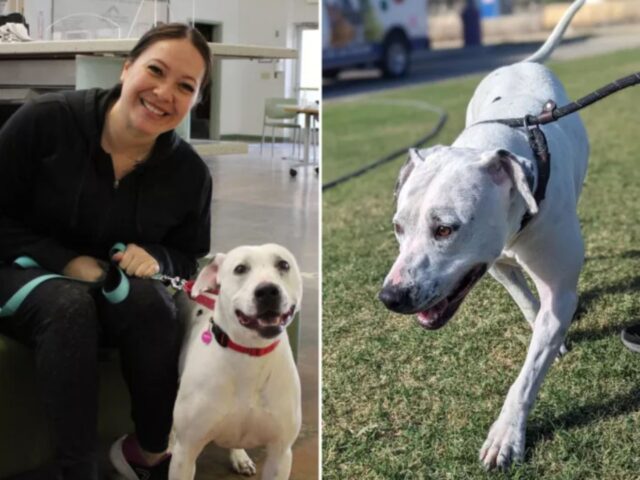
(116, 295)
(121, 291)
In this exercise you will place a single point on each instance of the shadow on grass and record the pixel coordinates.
(588, 298)
(628, 254)
(622, 404)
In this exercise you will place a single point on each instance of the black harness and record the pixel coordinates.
(541, 154)
(538, 144)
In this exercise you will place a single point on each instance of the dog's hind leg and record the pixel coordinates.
(241, 462)
(511, 277)
(278, 463)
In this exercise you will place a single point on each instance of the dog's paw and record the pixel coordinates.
(504, 445)
(563, 350)
(242, 463)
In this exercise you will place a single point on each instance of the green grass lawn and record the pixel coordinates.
(400, 402)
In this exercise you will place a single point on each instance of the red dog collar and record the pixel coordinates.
(223, 339)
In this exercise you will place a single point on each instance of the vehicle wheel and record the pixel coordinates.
(331, 73)
(397, 58)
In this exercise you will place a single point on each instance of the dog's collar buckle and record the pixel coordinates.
(220, 335)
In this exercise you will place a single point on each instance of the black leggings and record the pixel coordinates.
(65, 322)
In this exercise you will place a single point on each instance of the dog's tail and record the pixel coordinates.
(556, 36)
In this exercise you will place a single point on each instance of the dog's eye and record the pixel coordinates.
(283, 266)
(240, 269)
(443, 231)
(398, 228)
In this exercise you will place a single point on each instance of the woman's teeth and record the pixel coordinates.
(152, 109)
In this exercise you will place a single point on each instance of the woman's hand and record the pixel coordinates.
(136, 262)
(85, 268)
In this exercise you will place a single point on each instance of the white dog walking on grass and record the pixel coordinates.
(473, 206)
(239, 386)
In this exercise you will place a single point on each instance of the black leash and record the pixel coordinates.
(552, 112)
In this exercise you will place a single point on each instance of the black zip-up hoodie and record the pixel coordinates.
(59, 198)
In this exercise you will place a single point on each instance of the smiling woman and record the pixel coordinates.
(79, 172)
(160, 83)
(164, 80)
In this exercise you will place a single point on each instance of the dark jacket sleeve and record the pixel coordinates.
(185, 243)
(20, 139)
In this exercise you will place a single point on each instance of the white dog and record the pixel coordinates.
(239, 385)
(460, 211)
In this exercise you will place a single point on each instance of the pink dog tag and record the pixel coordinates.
(206, 337)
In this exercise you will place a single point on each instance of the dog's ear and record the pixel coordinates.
(501, 166)
(208, 276)
(415, 158)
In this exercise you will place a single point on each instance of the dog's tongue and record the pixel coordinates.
(432, 318)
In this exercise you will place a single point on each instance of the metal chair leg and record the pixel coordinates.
(273, 139)
(262, 141)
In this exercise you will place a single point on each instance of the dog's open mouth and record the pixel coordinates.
(268, 323)
(440, 312)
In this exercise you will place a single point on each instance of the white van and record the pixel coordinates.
(358, 33)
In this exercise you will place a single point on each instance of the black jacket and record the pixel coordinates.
(58, 197)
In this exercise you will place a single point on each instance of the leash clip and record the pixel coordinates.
(175, 282)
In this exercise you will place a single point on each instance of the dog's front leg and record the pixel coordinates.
(190, 437)
(506, 440)
(183, 460)
(512, 279)
(183, 463)
(278, 463)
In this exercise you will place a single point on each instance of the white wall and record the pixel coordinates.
(246, 84)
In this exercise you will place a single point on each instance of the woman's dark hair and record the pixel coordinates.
(175, 31)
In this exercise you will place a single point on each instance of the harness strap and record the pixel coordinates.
(539, 147)
(115, 287)
(538, 144)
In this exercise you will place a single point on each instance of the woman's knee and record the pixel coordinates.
(64, 310)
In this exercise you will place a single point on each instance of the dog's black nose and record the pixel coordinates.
(397, 299)
(267, 292)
